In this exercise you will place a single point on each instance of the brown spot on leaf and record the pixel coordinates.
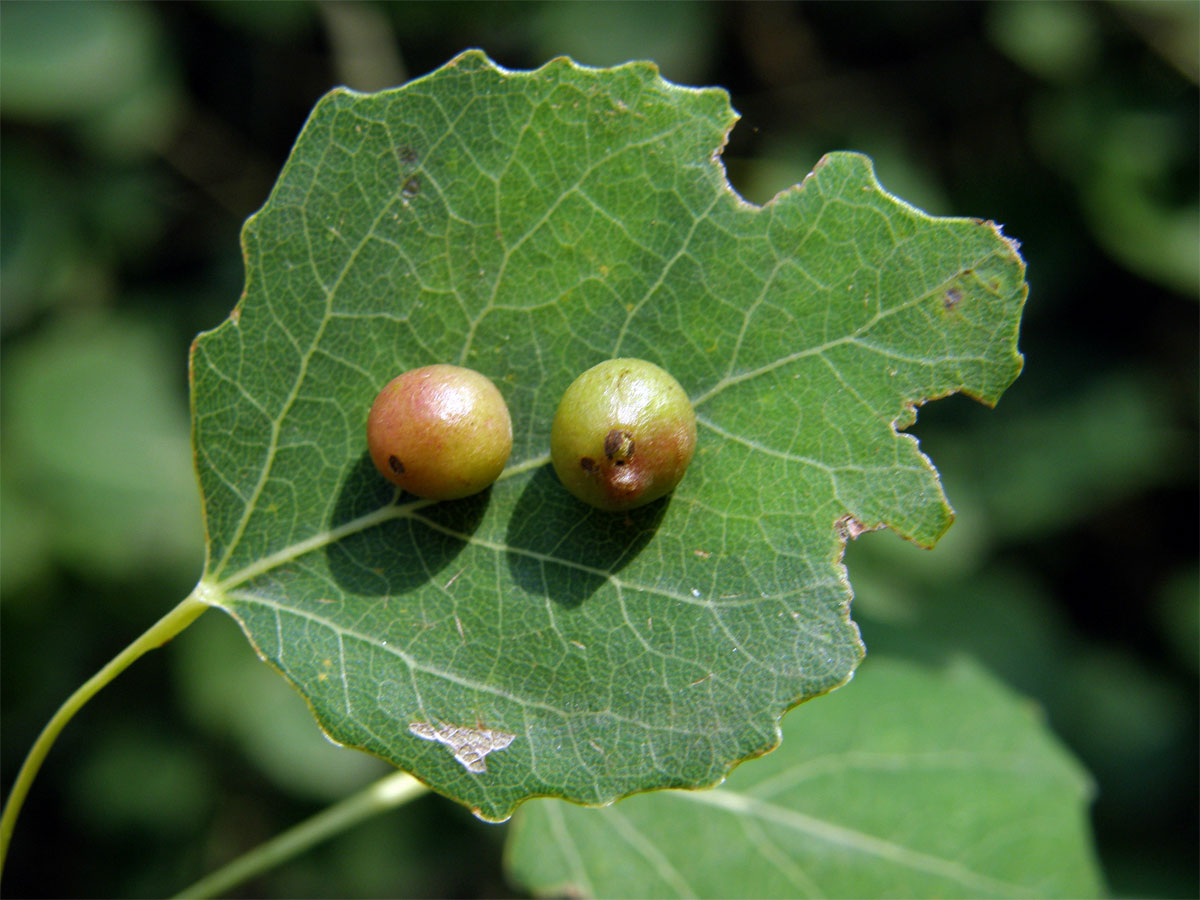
(412, 187)
(849, 528)
(952, 298)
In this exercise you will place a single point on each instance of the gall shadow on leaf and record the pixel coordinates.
(401, 554)
(563, 549)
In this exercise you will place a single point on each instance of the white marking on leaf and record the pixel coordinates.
(469, 745)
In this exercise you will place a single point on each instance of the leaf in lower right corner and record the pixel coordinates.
(908, 783)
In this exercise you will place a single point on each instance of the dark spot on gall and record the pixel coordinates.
(587, 464)
(618, 446)
(395, 465)
(412, 187)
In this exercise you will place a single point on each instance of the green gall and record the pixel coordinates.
(623, 434)
(440, 432)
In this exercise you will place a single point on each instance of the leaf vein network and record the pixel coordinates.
(415, 667)
(669, 264)
(567, 191)
(819, 349)
(302, 371)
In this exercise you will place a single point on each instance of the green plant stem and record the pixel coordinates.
(158, 634)
(387, 793)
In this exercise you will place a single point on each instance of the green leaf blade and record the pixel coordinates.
(912, 783)
(530, 225)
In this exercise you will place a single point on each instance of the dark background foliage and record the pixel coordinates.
(136, 140)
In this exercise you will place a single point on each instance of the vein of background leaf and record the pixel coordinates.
(745, 805)
(758, 837)
(940, 761)
(570, 850)
(647, 849)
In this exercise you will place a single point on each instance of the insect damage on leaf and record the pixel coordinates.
(469, 745)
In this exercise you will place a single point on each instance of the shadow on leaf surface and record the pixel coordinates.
(402, 554)
(563, 549)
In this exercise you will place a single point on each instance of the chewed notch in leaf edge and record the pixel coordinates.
(529, 225)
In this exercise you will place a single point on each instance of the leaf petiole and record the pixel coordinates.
(390, 791)
(155, 636)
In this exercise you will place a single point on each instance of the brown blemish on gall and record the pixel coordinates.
(618, 446)
(587, 464)
(395, 465)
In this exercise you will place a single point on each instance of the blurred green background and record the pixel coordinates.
(138, 137)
